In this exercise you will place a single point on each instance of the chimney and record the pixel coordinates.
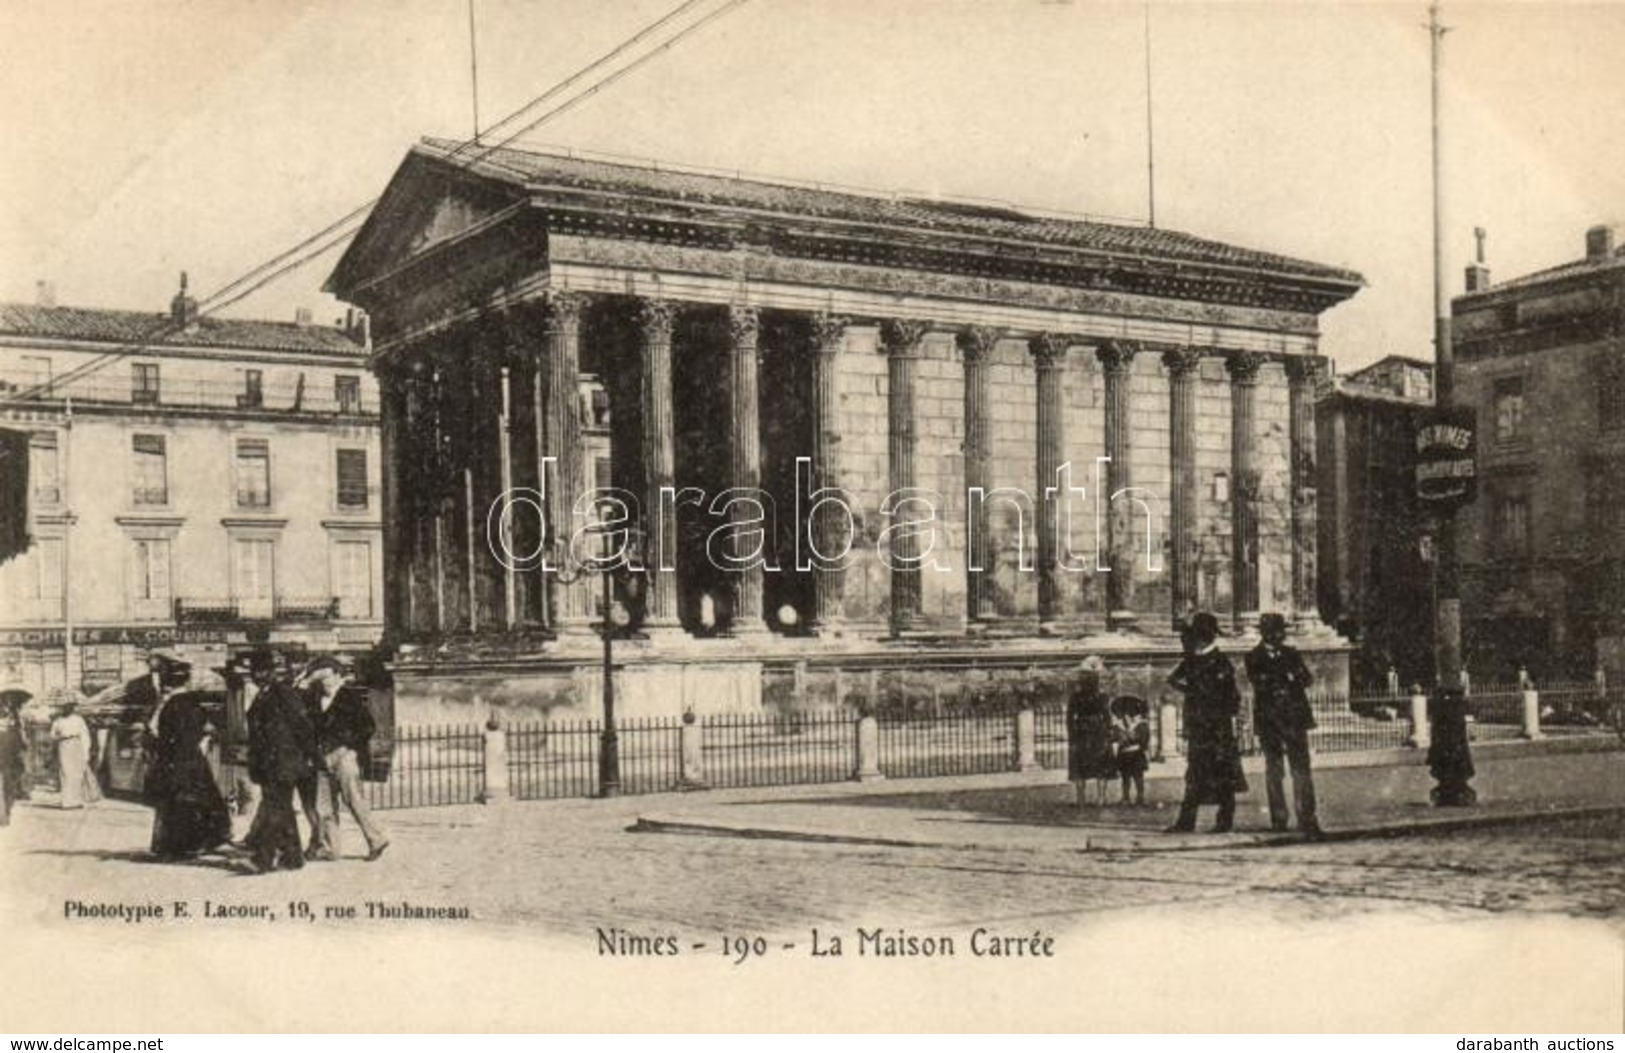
(301, 317)
(1478, 275)
(183, 308)
(45, 294)
(1599, 242)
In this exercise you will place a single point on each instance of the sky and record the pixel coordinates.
(144, 137)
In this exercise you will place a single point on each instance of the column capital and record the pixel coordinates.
(1049, 350)
(1304, 370)
(1117, 356)
(1244, 366)
(977, 342)
(828, 332)
(655, 318)
(900, 337)
(1182, 361)
(744, 323)
(564, 309)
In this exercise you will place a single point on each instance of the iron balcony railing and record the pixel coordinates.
(192, 610)
(316, 395)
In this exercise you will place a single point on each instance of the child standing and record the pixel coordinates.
(1131, 734)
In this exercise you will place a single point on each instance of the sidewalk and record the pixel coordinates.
(1516, 782)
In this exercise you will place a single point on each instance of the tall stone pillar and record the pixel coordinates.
(558, 435)
(1244, 367)
(828, 339)
(1049, 352)
(441, 492)
(976, 345)
(1184, 376)
(394, 440)
(1302, 374)
(900, 339)
(1117, 359)
(745, 463)
(655, 318)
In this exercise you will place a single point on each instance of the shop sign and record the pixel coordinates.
(1446, 464)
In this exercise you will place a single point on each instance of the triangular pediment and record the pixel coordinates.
(427, 203)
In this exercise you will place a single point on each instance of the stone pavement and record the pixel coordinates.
(1516, 782)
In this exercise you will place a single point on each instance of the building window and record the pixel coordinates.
(151, 473)
(47, 583)
(1611, 393)
(1512, 526)
(44, 468)
(144, 382)
(352, 479)
(253, 396)
(253, 473)
(353, 568)
(1509, 426)
(253, 576)
(150, 579)
(347, 393)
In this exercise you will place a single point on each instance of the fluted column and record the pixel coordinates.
(828, 339)
(1184, 375)
(1049, 352)
(655, 318)
(1302, 374)
(1244, 368)
(977, 345)
(558, 435)
(394, 436)
(901, 341)
(745, 464)
(441, 492)
(1117, 360)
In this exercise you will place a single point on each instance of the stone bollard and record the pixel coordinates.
(1420, 739)
(1026, 740)
(496, 763)
(868, 750)
(693, 750)
(1167, 731)
(1531, 713)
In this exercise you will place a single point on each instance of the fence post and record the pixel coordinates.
(693, 750)
(1466, 683)
(1531, 712)
(1393, 681)
(496, 763)
(1026, 740)
(868, 750)
(1167, 731)
(1421, 737)
(1524, 683)
(1601, 677)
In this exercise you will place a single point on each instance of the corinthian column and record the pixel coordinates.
(558, 435)
(1184, 373)
(1049, 358)
(745, 464)
(1302, 373)
(1117, 359)
(394, 436)
(655, 318)
(1244, 367)
(976, 345)
(901, 341)
(828, 338)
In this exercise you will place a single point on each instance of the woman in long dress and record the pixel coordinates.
(1088, 734)
(72, 737)
(190, 813)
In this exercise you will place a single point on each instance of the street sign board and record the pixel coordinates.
(1446, 458)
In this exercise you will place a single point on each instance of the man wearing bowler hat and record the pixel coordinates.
(1282, 717)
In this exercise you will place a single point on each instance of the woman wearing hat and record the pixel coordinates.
(1212, 758)
(1089, 734)
(72, 737)
(189, 812)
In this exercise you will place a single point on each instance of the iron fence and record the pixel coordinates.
(1496, 703)
(651, 754)
(553, 759)
(433, 766)
(779, 749)
(1372, 722)
(1049, 733)
(951, 742)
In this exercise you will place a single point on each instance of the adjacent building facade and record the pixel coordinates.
(565, 325)
(1542, 358)
(197, 483)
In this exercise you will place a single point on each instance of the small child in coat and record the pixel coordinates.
(1131, 736)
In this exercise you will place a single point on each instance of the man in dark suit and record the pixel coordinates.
(281, 754)
(1282, 718)
(344, 729)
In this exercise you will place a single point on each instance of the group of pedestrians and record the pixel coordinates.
(1107, 740)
